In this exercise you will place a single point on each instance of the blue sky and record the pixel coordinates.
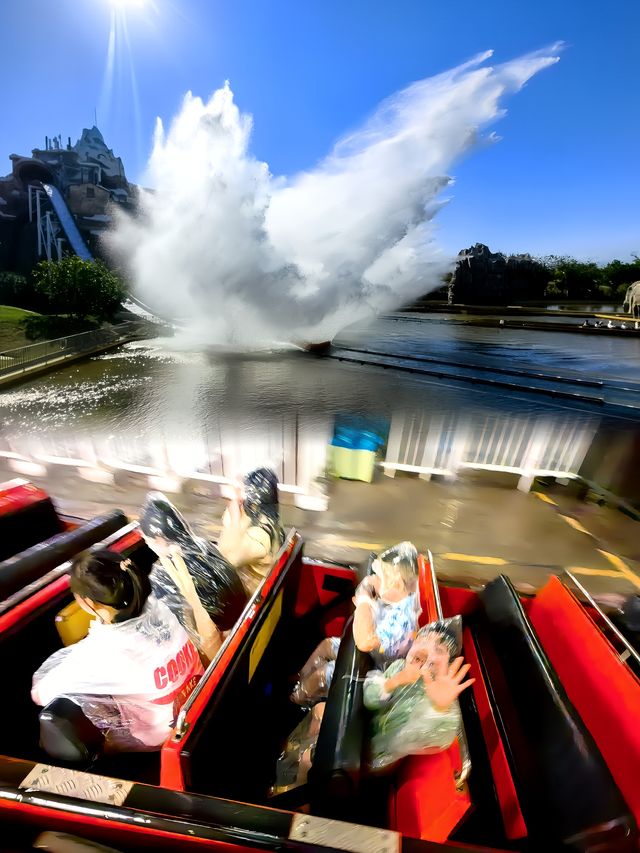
(565, 179)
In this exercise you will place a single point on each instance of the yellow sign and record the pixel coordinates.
(266, 632)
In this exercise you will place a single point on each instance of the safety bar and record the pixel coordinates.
(629, 655)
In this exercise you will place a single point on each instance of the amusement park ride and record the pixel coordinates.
(546, 759)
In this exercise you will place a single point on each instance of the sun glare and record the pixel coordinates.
(128, 4)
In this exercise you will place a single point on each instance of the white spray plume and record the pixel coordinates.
(245, 258)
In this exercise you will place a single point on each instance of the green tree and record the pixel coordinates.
(79, 288)
(574, 279)
(13, 289)
(619, 275)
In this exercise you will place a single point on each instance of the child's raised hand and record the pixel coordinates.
(444, 684)
(235, 509)
(409, 674)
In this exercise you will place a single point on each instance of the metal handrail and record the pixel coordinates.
(180, 726)
(44, 351)
(462, 775)
(568, 579)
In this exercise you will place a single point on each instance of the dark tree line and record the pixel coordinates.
(485, 277)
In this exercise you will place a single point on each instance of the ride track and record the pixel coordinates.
(618, 397)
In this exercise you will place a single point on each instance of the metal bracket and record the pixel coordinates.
(350, 837)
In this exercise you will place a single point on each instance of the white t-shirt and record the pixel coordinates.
(130, 678)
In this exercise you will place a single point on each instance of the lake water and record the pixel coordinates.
(151, 388)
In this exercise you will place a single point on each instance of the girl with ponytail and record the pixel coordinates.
(136, 666)
(109, 588)
(252, 533)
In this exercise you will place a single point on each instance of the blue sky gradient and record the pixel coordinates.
(564, 179)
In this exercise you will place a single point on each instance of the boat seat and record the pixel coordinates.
(71, 739)
(67, 735)
(27, 516)
(337, 765)
(425, 802)
(565, 789)
(605, 691)
(29, 565)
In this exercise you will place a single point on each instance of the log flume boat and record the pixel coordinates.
(546, 759)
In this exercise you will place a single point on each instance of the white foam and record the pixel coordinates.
(244, 258)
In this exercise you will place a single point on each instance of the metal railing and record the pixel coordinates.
(45, 352)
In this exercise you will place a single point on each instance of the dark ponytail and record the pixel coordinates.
(104, 577)
(261, 503)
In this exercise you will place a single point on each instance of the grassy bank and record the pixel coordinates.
(12, 333)
(19, 327)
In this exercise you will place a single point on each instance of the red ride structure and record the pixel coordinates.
(545, 759)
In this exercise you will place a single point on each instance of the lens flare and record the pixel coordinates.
(128, 4)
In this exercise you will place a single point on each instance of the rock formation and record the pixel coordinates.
(483, 277)
(89, 176)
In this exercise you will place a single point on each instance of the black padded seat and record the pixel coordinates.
(67, 735)
(337, 764)
(36, 561)
(567, 794)
(22, 527)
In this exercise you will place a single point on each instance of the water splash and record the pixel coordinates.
(245, 258)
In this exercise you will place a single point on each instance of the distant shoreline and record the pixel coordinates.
(533, 318)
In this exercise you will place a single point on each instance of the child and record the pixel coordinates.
(414, 701)
(134, 669)
(387, 605)
(251, 531)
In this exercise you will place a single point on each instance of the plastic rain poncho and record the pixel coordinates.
(216, 582)
(314, 679)
(252, 535)
(261, 505)
(404, 720)
(130, 678)
(388, 605)
(296, 759)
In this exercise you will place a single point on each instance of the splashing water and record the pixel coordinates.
(245, 258)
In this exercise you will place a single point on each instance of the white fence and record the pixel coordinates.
(529, 447)
(296, 449)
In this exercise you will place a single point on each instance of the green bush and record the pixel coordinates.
(14, 290)
(80, 288)
(42, 328)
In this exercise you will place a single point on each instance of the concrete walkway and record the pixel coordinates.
(476, 527)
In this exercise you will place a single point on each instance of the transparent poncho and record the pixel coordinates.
(405, 720)
(388, 605)
(216, 582)
(252, 534)
(130, 678)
